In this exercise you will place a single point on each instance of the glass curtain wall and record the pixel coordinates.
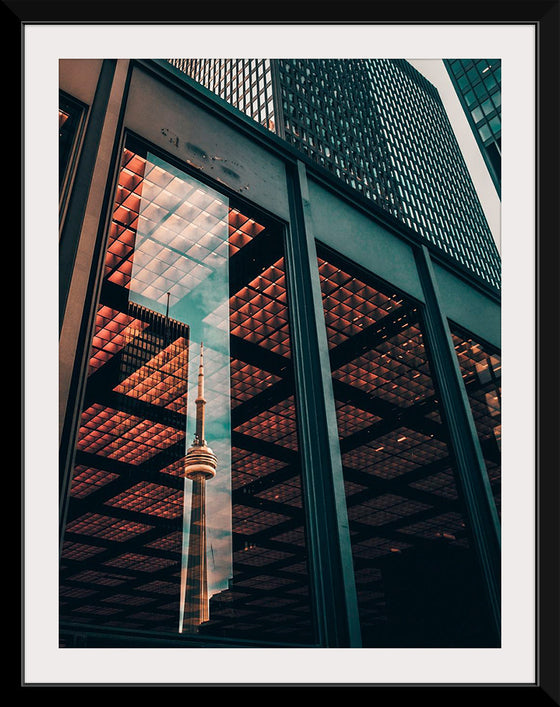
(480, 366)
(416, 577)
(186, 515)
(479, 84)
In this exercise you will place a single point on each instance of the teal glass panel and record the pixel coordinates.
(487, 107)
(477, 114)
(470, 98)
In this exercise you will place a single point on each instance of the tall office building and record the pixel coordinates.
(381, 127)
(478, 86)
(245, 83)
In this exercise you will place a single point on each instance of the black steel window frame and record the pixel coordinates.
(334, 602)
(77, 198)
(77, 112)
(486, 93)
(68, 247)
(67, 451)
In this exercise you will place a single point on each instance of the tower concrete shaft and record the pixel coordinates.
(200, 465)
(196, 595)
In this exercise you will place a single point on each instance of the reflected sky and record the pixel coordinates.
(180, 268)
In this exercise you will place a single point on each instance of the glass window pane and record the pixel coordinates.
(186, 512)
(487, 107)
(489, 81)
(495, 124)
(484, 131)
(480, 91)
(480, 367)
(457, 68)
(477, 115)
(473, 75)
(414, 566)
(470, 98)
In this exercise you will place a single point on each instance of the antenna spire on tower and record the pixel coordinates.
(200, 466)
(200, 401)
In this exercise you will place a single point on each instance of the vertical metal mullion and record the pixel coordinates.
(471, 470)
(82, 181)
(332, 574)
(69, 432)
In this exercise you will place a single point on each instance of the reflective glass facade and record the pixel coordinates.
(184, 265)
(478, 86)
(327, 114)
(413, 561)
(69, 118)
(269, 439)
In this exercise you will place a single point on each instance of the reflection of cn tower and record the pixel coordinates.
(200, 465)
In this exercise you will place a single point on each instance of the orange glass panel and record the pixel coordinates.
(182, 259)
(413, 563)
(481, 369)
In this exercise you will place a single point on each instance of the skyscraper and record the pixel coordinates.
(381, 127)
(200, 466)
(478, 86)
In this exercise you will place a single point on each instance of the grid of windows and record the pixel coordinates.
(327, 115)
(125, 534)
(411, 544)
(245, 83)
(381, 127)
(440, 202)
(479, 82)
(478, 85)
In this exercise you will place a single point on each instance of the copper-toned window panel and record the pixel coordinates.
(481, 365)
(416, 577)
(185, 515)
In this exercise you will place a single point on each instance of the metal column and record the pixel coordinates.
(471, 470)
(332, 574)
(85, 236)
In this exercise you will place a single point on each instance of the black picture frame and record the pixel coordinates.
(544, 16)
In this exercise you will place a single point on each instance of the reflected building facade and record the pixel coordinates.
(200, 467)
(349, 388)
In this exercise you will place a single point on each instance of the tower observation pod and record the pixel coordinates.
(200, 466)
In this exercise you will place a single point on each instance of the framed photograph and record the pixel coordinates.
(288, 418)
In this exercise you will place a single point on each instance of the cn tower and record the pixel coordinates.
(200, 466)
